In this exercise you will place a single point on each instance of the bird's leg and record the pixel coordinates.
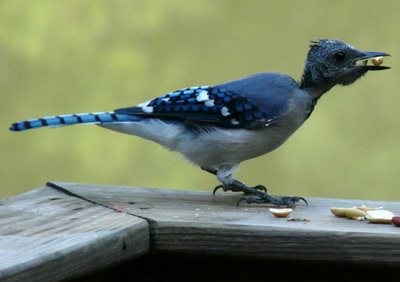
(235, 186)
(224, 174)
(253, 195)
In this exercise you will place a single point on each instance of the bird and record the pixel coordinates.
(216, 127)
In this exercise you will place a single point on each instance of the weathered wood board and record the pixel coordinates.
(65, 230)
(191, 222)
(46, 235)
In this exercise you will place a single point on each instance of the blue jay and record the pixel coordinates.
(218, 127)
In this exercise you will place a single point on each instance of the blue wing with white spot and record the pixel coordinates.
(204, 104)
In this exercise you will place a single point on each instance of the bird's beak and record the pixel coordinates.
(375, 57)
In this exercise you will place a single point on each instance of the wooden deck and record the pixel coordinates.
(65, 231)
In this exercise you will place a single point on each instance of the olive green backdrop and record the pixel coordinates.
(61, 57)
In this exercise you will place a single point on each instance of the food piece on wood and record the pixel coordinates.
(366, 209)
(396, 221)
(379, 216)
(280, 212)
(352, 213)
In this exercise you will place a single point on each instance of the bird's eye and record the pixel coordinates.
(339, 56)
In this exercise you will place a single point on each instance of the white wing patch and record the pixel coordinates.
(225, 111)
(203, 96)
(145, 107)
(234, 121)
(209, 103)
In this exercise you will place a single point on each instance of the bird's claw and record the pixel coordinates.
(258, 195)
(261, 187)
(218, 187)
(277, 201)
(234, 189)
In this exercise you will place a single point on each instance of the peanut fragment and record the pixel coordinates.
(366, 209)
(352, 213)
(280, 212)
(379, 216)
(377, 61)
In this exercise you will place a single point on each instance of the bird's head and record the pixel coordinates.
(332, 62)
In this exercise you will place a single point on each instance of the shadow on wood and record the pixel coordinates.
(177, 267)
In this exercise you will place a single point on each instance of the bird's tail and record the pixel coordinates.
(63, 120)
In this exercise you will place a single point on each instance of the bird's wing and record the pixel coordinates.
(204, 105)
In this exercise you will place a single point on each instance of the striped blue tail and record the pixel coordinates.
(62, 120)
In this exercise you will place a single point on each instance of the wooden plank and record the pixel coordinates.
(46, 235)
(198, 223)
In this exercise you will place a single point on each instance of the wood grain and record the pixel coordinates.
(66, 230)
(46, 235)
(191, 222)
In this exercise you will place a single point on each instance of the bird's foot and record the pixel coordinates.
(236, 188)
(275, 200)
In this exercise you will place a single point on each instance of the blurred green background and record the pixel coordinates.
(75, 56)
